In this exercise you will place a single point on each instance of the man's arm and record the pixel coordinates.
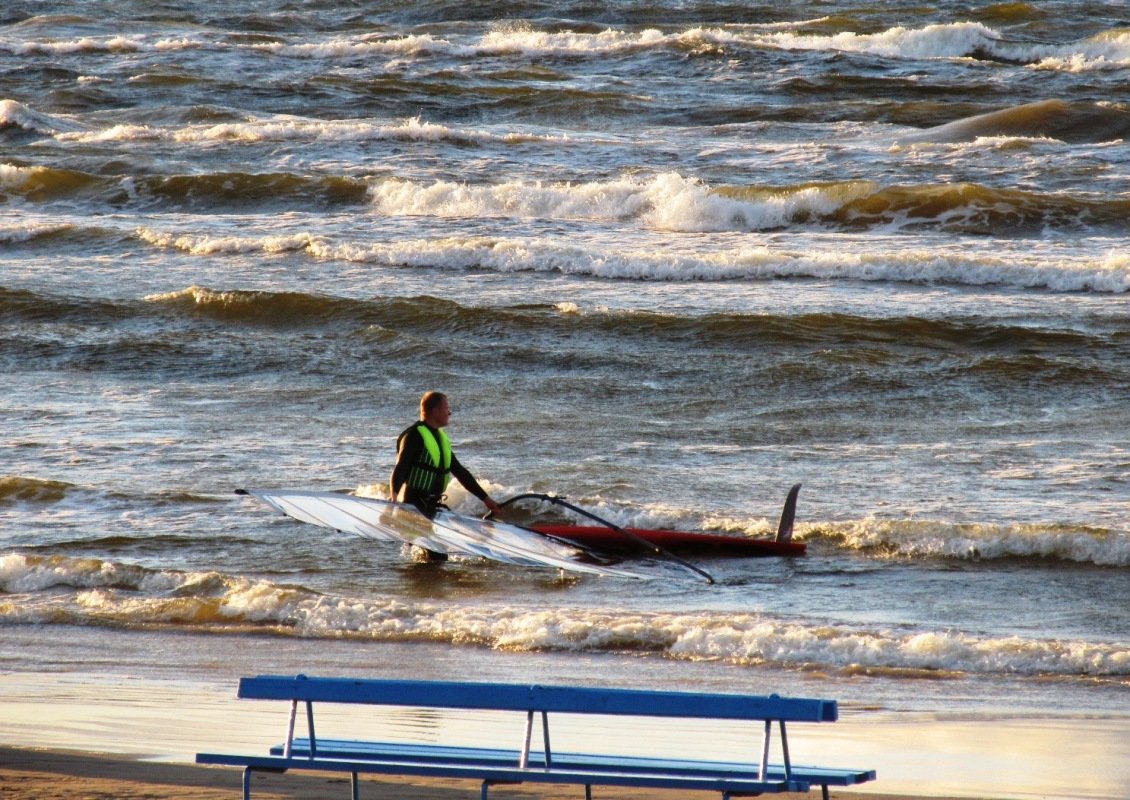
(464, 476)
(467, 480)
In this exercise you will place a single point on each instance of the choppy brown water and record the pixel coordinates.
(667, 259)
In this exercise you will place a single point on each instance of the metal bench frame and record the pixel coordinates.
(493, 767)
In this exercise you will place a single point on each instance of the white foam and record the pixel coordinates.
(1109, 50)
(951, 40)
(98, 44)
(640, 261)
(638, 258)
(14, 177)
(930, 539)
(91, 591)
(1106, 51)
(517, 39)
(665, 202)
(20, 574)
(287, 128)
(227, 245)
(19, 115)
(346, 47)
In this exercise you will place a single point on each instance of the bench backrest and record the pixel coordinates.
(516, 697)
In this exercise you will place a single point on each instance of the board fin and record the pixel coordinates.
(788, 514)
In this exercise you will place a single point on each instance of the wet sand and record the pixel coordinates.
(40, 774)
(93, 736)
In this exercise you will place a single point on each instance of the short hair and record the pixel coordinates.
(430, 401)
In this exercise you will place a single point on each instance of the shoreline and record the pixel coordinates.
(63, 728)
(49, 774)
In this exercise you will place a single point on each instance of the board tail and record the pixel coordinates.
(788, 514)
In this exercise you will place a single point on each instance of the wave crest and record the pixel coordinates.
(1047, 119)
(274, 308)
(673, 202)
(19, 489)
(286, 129)
(1109, 50)
(16, 115)
(925, 539)
(106, 593)
(1109, 272)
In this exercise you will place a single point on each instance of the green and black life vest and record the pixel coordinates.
(432, 472)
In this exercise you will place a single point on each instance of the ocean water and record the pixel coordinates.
(666, 258)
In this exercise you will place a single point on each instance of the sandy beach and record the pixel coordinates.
(37, 774)
(103, 736)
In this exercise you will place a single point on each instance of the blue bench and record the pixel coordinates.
(527, 763)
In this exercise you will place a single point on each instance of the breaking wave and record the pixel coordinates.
(280, 309)
(307, 130)
(1109, 272)
(987, 347)
(15, 115)
(1109, 50)
(97, 44)
(47, 184)
(673, 202)
(44, 233)
(917, 539)
(89, 591)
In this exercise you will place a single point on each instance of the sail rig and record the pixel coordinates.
(455, 534)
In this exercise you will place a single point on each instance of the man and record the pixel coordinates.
(425, 463)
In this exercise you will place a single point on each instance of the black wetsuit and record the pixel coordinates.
(412, 453)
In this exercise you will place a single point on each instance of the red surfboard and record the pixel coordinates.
(604, 539)
(611, 538)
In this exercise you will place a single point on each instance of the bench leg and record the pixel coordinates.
(588, 791)
(357, 788)
(247, 783)
(824, 790)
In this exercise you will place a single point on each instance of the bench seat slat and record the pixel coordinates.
(566, 699)
(509, 774)
(365, 750)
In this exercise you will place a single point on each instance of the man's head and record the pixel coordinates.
(434, 409)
